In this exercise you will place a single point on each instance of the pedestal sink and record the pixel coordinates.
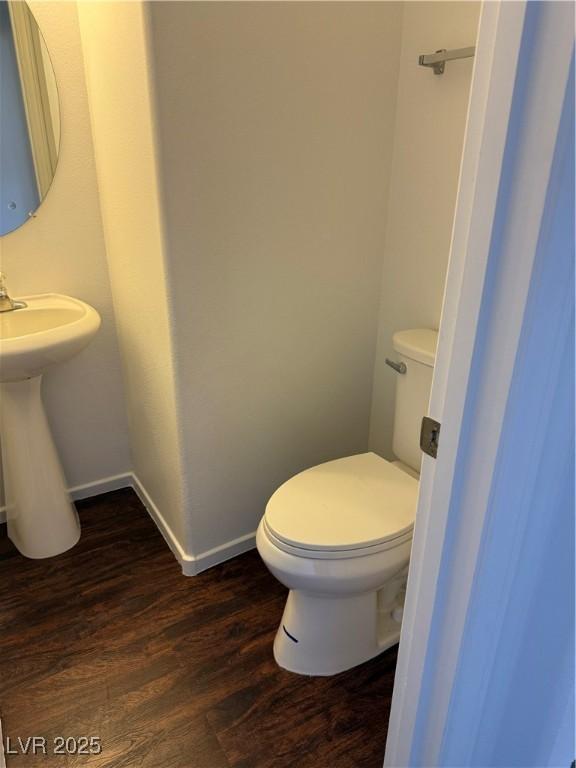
(42, 522)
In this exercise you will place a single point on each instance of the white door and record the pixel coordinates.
(519, 84)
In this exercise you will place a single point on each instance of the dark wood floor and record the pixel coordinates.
(109, 639)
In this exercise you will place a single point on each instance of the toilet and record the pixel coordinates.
(339, 534)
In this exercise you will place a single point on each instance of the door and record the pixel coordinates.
(508, 247)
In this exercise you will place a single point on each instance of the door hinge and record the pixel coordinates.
(429, 436)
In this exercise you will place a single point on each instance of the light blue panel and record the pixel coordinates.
(516, 661)
(528, 693)
(420, 753)
(18, 190)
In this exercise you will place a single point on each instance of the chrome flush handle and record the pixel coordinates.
(398, 367)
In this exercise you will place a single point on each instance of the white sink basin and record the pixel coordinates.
(42, 522)
(51, 329)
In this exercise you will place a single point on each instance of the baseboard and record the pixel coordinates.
(107, 484)
(167, 533)
(220, 554)
(95, 488)
(190, 564)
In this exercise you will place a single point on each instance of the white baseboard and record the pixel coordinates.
(220, 554)
(167, 533)
(190, 564)
(95, 488)
(112, 483)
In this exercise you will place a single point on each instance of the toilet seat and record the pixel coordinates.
(344, 508)
(335, 554)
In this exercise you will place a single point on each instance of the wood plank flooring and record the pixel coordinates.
(110, 640)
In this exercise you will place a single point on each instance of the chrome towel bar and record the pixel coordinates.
(438, 60)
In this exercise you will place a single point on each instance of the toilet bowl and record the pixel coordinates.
(338, 536)
(345, 565)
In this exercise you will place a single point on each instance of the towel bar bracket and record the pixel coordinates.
(438, 60)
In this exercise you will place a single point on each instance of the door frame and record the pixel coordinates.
(498, 69)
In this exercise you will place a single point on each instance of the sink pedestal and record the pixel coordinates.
(42, 522)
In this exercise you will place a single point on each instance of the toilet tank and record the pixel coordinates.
(417, 350)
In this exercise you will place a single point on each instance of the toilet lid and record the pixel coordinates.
(349, 503)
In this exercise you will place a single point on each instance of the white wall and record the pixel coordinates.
(428, 137)
(62, 250)
(275, 131)
(277, 140)
(115, 54)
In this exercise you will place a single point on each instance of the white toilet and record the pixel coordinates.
(338, 536)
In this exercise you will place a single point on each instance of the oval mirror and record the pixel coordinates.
(29, 116)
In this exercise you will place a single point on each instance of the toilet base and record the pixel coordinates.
(322, 635)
